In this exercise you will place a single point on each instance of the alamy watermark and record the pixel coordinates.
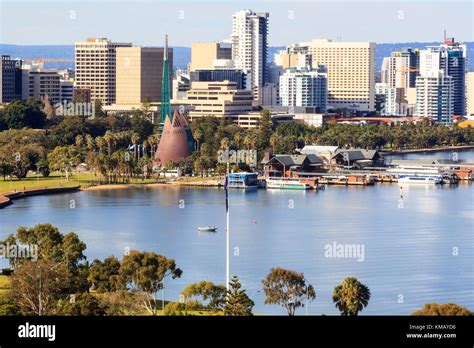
(345, 251)
(14, 251)
(248, 157)
(75, 109)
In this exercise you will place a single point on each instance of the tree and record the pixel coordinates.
(103, 276)
(64, 158)
(80, 305)
(204, 291)
(8, 306)
(445, 309)
(39, 285)
(265, 126)
(351, 296)
(144, 272)
(288, 289)
(21, 114)
(66, 250)
(237, 301)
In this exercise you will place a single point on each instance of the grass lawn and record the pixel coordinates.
(4, 284)
(55, 180)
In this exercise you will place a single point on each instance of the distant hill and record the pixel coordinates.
(182, 55)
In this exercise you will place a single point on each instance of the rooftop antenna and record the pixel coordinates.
(444, 34)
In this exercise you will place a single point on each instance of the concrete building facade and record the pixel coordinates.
(139, 73)
(219, 99)
(204, 54)
(96, 68)
(351, 72)
(304, 88)
(434, 97)
(250, 46)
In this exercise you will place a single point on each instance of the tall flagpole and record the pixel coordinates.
(228, 227)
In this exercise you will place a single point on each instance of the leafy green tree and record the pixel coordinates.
(288, 289)
(144, 272)
(20, 114)
(237, 301)
(64, 158)
(67, 250)
(351, 296)
(206, 295)
(8, 306)
(265, 127)
(104, 276)
(445, 309)
(82, 304)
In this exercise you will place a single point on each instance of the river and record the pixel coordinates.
(417, 251)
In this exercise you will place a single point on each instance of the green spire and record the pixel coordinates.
(165, 88)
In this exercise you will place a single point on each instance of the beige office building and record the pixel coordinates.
(219, 99)
(140, 73)
(95, 68)
(351, 72)
(470, 93)
(204, 54)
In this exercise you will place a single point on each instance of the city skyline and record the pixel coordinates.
(187, 22)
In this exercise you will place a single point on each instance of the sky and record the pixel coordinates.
(145, 22)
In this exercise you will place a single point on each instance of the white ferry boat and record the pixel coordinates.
(420, 179)
(286, 184)
(244, 181)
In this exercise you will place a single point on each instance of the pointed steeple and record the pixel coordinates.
(165, 88)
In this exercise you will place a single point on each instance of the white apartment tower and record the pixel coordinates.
(434, 96)
(303, 87)
(96, 68)
(249, 46)
(351, 72)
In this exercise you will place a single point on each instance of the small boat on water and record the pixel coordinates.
(243, 181)
(207, 229)
(420, 179)
(287, 184)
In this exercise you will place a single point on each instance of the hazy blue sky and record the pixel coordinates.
(144, 22)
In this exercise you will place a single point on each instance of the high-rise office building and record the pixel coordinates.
(204, 54)
(351, 72)
(434, 96)
(250, 46)
(303, 87)
(395, 71)
(451, 58)
(139, 74)
(67, 90)
(10, 83)
(38, 82)
(96, 68)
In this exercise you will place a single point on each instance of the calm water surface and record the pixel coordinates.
(408, 251)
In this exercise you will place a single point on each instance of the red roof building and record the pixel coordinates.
(173, 144)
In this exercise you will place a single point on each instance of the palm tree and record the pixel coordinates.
(108, 139)
(134, 139)
(100, 141)
(90, 142)
(197, 134)
(79, 140)
(351, 296)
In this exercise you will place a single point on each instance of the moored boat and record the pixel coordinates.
(286, 184)
(244, 181)
(420, 179)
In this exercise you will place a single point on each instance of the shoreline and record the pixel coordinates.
(7, 198)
